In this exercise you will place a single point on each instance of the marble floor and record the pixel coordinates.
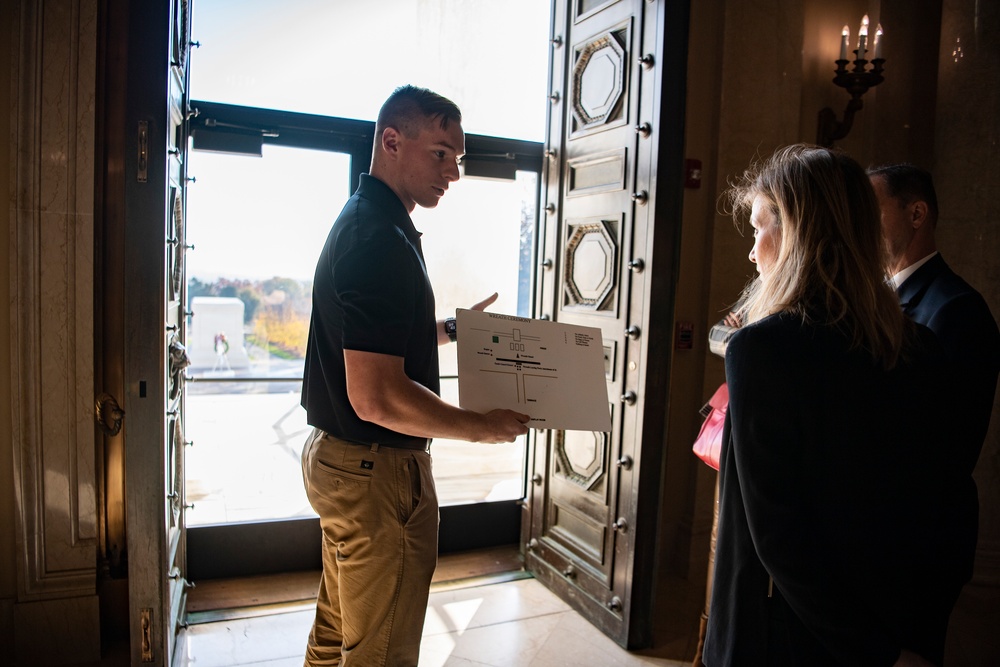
(516, 623)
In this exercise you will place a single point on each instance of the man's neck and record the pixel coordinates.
(915, 252)
(383, 174)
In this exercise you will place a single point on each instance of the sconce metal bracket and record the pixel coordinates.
(856, 82)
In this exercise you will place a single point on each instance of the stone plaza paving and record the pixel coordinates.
(243, 464)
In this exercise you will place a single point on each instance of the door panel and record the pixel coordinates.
(574, 507)
(153, 321)
(175, 343)
(585, 499)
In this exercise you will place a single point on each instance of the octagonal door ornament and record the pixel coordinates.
(590, 267)
(598, 82)
(581, 458)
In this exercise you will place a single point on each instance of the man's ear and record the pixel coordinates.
(918, 214)
(390, 141)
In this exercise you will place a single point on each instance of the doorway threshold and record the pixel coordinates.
(250, 597)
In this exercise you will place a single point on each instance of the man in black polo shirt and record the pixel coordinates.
(371, 392)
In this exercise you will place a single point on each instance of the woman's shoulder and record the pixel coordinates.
(765, 343)
(773, 329)
(786, 338)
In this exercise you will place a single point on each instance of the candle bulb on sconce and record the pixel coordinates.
(863, 38)
(855, 81)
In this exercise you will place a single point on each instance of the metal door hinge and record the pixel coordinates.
(146, 647)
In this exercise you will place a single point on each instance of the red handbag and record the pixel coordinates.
(708, 444)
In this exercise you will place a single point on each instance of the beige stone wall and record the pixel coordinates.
(687, 484)
(743, 99)
(759, 72)
(7, 561)
(967, 151)
(48, 359)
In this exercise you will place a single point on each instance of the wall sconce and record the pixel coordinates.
(856, 81)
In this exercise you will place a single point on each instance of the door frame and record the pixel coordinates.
(289, 545)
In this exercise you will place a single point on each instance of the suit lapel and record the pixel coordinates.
(913, 288)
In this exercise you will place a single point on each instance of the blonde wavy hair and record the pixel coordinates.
(830, 265)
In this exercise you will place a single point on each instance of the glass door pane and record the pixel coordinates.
(479, 240)
(257, 226)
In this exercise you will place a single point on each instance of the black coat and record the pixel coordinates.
(958, 315)
(938, 298)
(827, 498)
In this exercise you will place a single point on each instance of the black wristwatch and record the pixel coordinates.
(451, 328)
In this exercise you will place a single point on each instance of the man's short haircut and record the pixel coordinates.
(908, 183)
(409, 105)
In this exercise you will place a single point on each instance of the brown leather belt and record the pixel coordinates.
(415, 444)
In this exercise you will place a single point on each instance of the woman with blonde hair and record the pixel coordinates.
(828, 521)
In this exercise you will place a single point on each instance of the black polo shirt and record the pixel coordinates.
(370, 293)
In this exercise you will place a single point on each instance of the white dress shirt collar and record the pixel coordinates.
(901, 277)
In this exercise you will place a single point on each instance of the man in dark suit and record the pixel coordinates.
(935, 296)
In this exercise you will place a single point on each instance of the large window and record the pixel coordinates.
(258, 223)
(342, 58)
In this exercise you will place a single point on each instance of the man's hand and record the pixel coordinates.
(442, 335)
(486, 303)
(502, 426)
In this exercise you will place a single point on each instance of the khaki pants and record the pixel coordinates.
(379, 513)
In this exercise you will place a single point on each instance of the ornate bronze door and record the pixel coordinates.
(593, 499)
(175, 332)
(153, 183)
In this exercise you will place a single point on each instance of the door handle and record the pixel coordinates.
(109, 414)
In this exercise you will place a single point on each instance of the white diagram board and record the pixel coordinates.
(551, 371)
